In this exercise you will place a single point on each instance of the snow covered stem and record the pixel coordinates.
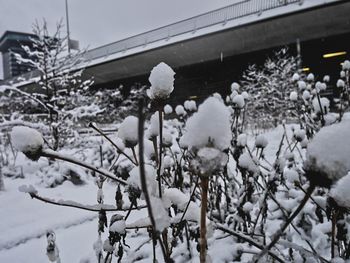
(203, 230)
(92, 125)
(280, 232)
(144, 183)
(56, 155)
(160, 111)
(248, 240)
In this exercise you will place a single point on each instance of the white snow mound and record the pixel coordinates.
(329, 151)
(26, 140)
(211, 123)
(162, 81)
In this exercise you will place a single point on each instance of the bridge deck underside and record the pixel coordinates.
(282, 30)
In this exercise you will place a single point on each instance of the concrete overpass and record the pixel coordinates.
(243, 27)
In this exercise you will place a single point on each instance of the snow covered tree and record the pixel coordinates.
(60, 74)
(269, 87)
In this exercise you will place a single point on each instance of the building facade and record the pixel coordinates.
(11, 43)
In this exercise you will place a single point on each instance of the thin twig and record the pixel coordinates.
(287, 223)
(113, 143)
(56, 155)
(249, 240)
(80, 206)
(144, 183)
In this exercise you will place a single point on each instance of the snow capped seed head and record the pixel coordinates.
(28, 189)
(119, 142)
(261, 141)
(128, 131)
(233, 94)
(340, 192)
(328, 154)
(218, 96)
(310, 77)
(295, 77)
(318, 86)
(135, 182)
(293, 96)
(326, 78)
(247, 207)
(306, 95)
(117, 224)
(167, 139)
(299, 135)
(162, 82)
(291, 175)
(342, 74)
(209, 125)
(246, 162)
(242, 140)
(301, 85)
(161, 217)
(304, 143)
(238, 101)
(235, 86)
(168, 109)
(245, 95)
(340, 83)
(190, 105)
(153, 128)
(346, 65)
(208, 160)
(168, 161)
(180, 110)
(28, 141)
(324, 105)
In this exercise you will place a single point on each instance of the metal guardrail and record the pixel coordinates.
(218, 16)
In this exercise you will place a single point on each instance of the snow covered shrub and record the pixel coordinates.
(270, 87)
(198, 184)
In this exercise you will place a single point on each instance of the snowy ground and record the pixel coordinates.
(24, 222)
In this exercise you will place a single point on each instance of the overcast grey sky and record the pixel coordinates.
(98, 22)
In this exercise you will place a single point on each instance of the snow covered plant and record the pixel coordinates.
(198, 183)
(59, 84)
(269, 87)
(162, 82)
(28, 141)
(208, 135)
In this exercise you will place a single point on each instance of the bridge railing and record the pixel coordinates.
(218, 16)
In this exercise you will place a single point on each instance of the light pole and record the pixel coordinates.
(67, 22)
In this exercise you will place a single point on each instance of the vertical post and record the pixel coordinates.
(67, 22)
(298, 54)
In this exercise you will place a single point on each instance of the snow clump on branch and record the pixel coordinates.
(28, 141)
(128, 131)
(135, 181)
(209, 126)
(340, 192)
(168, 109)
(162, 82)
(28, 189)
(328, 154)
